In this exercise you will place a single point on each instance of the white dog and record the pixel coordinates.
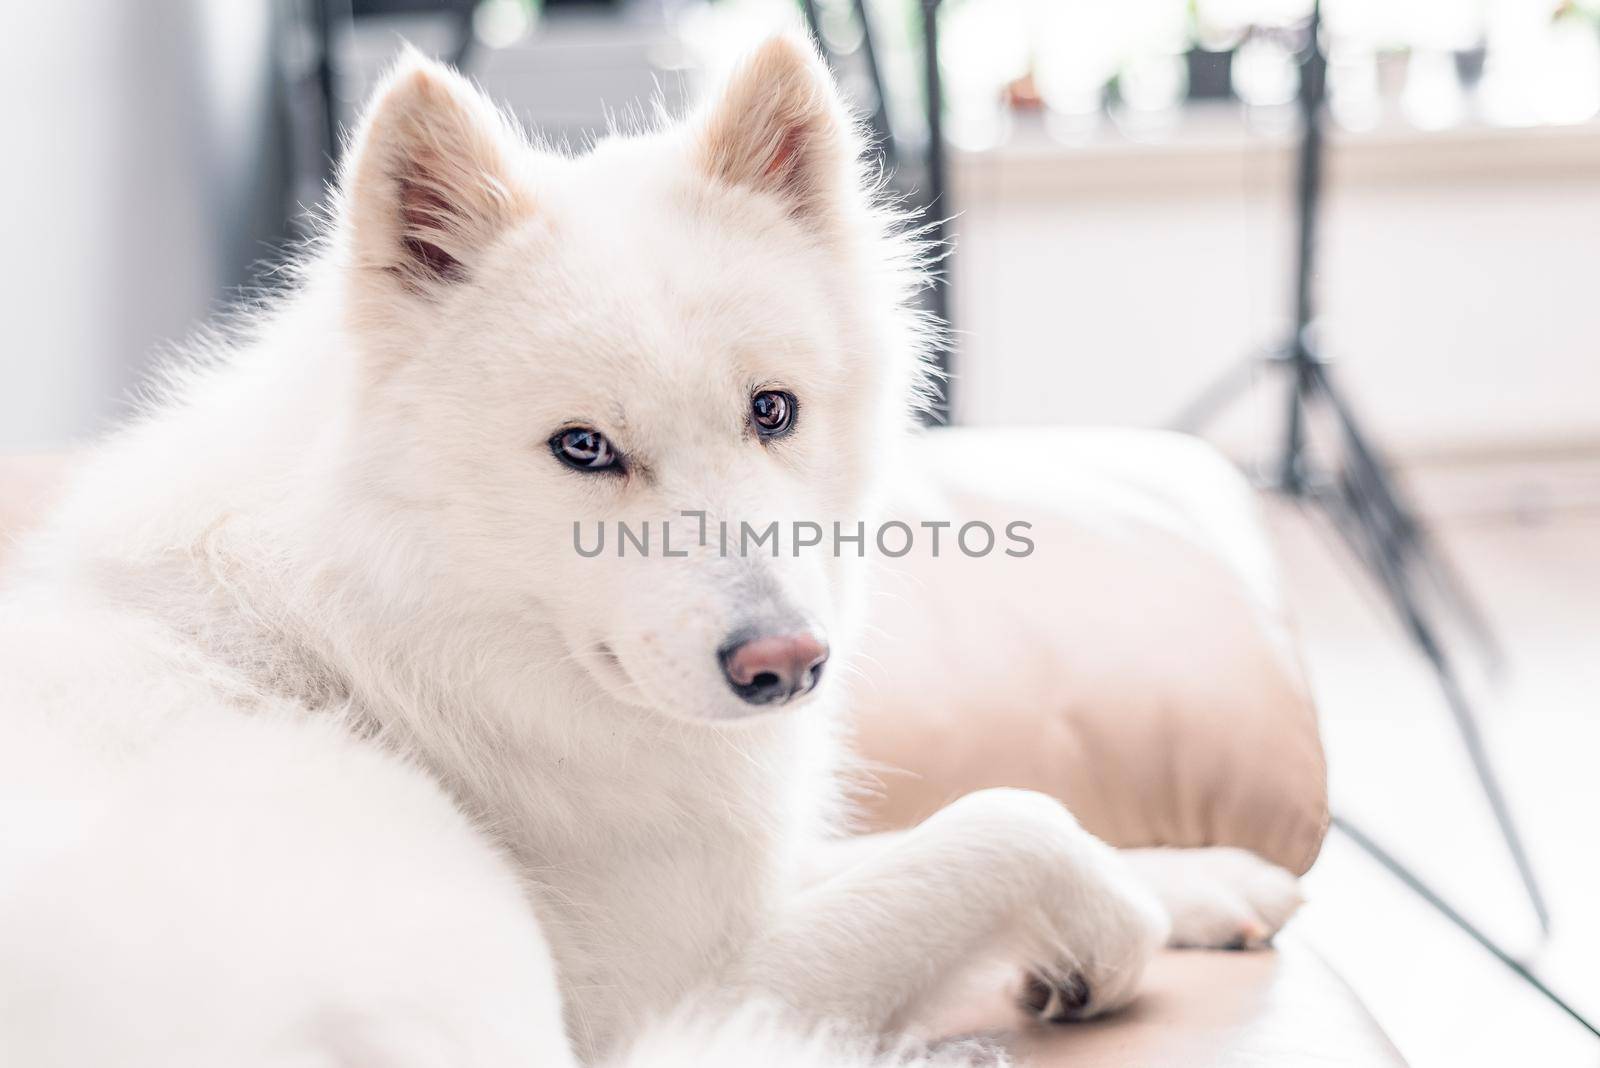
(322, 745)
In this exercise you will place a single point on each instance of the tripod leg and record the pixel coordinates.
(1411, 538)
(878, 118)
(1371, 536)
(1415, 883)
(1292, 472)
(1217, 395)
(1472, 737)
(935, 209)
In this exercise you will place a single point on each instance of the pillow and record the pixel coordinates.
(1137, 663)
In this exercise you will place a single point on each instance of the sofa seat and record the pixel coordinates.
(1280, 1008)
(1283, 1008)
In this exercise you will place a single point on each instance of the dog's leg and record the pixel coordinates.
(1217, 897)
(998, 867)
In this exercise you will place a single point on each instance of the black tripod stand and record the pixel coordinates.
(1357, 493)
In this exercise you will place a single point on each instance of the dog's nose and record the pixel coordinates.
(772, 668)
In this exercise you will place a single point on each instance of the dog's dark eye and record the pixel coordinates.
(584, 448)
(772, 412)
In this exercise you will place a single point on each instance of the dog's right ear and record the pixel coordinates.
(780, 128)
(429, 180)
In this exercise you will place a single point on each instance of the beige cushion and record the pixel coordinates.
(1138, 664)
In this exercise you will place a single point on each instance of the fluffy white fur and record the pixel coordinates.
(324, 747)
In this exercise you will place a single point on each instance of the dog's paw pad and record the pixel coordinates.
(1056, 1000)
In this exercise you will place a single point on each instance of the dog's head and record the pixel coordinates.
(706, 319)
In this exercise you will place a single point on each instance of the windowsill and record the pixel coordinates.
(1212, 147)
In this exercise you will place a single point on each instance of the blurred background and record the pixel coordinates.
(1121, 182)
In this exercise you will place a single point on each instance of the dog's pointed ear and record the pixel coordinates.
(429, 181)
(779, 127)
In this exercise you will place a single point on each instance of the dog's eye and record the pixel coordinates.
(772, 412)
(584, 448)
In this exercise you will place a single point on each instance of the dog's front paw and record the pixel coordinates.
(1113, 939)
(1086, 926)
(1219, 897)
(1054, 999)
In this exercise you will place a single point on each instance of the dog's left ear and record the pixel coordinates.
(429, 183)
(779, 127)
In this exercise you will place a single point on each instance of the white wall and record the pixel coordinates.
(140, 173)
(1108, 283)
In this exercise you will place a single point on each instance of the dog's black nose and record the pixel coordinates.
(772, 668)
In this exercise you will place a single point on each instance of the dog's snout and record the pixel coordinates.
(772, 668)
